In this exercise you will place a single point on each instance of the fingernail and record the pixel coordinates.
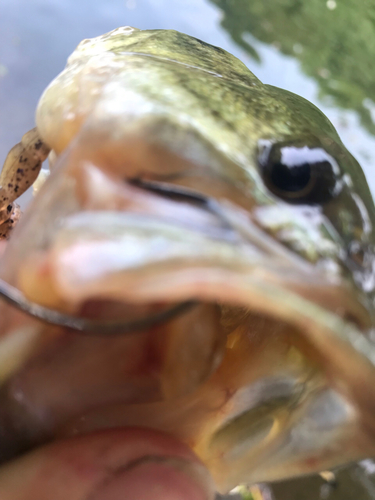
(158, 478)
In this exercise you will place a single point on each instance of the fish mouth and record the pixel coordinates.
(263, 366)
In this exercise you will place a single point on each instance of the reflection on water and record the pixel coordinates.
(322, 50)
(333, 40)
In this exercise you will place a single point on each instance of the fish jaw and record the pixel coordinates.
(96, 243)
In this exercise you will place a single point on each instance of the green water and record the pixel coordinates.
(322, 50)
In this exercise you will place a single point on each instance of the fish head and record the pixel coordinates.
(181, 179)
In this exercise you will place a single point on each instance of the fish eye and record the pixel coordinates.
(298, 173)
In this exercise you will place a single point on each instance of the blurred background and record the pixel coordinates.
(323, 50)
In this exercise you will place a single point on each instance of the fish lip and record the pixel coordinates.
(274, 261)
(234, 226)
(232, 231)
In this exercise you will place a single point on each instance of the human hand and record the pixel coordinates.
(118, 464)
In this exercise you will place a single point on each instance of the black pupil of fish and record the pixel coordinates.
(292, 178)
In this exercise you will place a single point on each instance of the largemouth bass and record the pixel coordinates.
(204, 251)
